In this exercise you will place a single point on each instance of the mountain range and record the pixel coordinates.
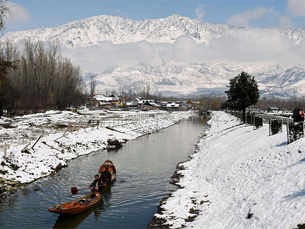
(178, 56)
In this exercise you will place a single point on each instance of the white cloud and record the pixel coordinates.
(254, 45)
(107, 55)
(285, 22)
(200, 13)
(297, 7)
(244, 18)
(17, 14)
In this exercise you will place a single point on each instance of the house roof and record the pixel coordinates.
(106, 98)
(274, 108)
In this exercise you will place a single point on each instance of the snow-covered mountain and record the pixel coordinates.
(178, 55)
(92, 31)
(176, 79)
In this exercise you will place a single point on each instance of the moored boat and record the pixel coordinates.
(77, 206)
(113, 144)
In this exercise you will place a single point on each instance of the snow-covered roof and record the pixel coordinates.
(106, 98)
(172, 104)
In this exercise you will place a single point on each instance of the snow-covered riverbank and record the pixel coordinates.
(67, 135)
(240, 178)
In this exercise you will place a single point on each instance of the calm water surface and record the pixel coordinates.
(144, 167)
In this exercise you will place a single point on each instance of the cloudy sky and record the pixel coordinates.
(28, 14)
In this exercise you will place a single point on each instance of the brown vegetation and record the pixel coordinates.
(211, 103)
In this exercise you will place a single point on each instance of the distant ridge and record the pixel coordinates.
(170, 77)
(118, 30)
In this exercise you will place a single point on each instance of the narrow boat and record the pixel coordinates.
(77, 206)
(108, 166)
(84, 203)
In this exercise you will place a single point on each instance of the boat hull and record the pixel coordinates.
(84, 203)
(77, 206)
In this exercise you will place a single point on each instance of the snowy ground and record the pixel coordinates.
(240, 178)
(67, 135)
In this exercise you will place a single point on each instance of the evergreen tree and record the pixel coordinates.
(243, 92)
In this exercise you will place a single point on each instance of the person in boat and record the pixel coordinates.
(96, 185)
(106, 175)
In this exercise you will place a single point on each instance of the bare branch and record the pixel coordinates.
(3, 12)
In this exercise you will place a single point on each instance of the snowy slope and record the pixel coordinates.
(240, 178)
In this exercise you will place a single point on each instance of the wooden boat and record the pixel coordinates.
(113, 144)
(77, 206)
(84, 203)
(108, 165)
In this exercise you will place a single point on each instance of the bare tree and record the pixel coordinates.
(44, 79)
(4, 65)
(3, 12)
(92, 85)
(147, 90)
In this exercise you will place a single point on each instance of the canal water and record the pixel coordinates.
(144, 167)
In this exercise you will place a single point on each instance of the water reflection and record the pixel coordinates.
(71, 222)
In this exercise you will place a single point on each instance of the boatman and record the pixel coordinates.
(106, 176)
(96, 185)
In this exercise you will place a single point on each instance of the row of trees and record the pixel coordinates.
(39, 78)
(211, 103)
(4, 65)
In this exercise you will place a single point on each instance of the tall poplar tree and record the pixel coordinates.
(4, 65)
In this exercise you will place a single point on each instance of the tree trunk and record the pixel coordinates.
(244, 115)
(1, 109)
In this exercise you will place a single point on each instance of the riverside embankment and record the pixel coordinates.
(240, 177)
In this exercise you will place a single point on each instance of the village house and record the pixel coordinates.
(173, 105)
(273, 109)
(107, 101)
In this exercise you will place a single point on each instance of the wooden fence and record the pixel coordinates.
(294, 130)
